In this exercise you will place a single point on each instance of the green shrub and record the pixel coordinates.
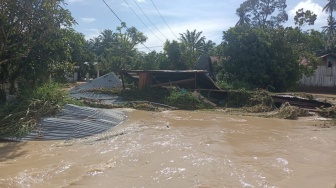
(238, 98)
(185, 100)
(235, 85)
(20, 116)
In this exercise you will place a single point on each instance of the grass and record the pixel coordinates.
(185, 100)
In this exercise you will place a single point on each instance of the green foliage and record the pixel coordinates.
(304, 17)
(193, 46)
(267, 58)
(262, 13)
(21, 116)
(185, 100)
(175, 59)
(234, 85)
(238, 98)
(38, 18)
(116, 50)
(249, 101)
(42, 48)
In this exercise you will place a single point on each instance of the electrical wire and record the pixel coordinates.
(142, 21)
(122, 22)
(150, 20)
(163, 19)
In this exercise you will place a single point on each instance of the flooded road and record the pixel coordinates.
(179, 149)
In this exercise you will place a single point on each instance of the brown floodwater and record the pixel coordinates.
(179, 149)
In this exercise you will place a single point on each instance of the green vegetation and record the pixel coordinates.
(250, 101)
(21, 115)
(185, 100)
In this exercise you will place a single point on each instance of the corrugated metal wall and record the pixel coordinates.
(323, 77)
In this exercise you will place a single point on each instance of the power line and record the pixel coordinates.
(122, 21)
(149, 19)
(143, 22)
(163, 19)
(112, 11)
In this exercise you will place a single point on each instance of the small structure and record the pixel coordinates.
(204, 62)
(187, 79)
(324, 75)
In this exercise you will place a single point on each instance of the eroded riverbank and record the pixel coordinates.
(179, 149)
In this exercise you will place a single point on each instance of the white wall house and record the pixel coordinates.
(324, 75)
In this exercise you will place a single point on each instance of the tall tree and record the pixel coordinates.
(264, 13)
(329, 30)
(194, 43)
(26, 23)
(329, 33)
(193, 40)
(330, 7)
(174, 52)
(24, 26)
(267, 57)
(208, 46)
(116, 50)
(304, 17)
(244, 18)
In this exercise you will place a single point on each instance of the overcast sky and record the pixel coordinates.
(212, 17)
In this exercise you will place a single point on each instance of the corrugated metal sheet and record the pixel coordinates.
(107, 81)
(76, 122)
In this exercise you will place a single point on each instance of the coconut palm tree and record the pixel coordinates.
(208, 46)
(330, 7)
(193, 40)
(329, 32)
(194, 45)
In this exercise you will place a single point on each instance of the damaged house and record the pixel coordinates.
(324, 75)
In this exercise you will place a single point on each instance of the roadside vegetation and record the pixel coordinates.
(21, 115)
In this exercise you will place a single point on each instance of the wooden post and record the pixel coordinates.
(145, 79)
(195, 80)
(122, 81)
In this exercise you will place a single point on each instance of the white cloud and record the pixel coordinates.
(88, 20)
(141, 1)
(314, 7)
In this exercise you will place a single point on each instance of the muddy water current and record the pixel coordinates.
(179, 149)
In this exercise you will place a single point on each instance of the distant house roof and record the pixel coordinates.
(304, 61)
(324, 57)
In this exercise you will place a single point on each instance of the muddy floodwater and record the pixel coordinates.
(179, 149)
